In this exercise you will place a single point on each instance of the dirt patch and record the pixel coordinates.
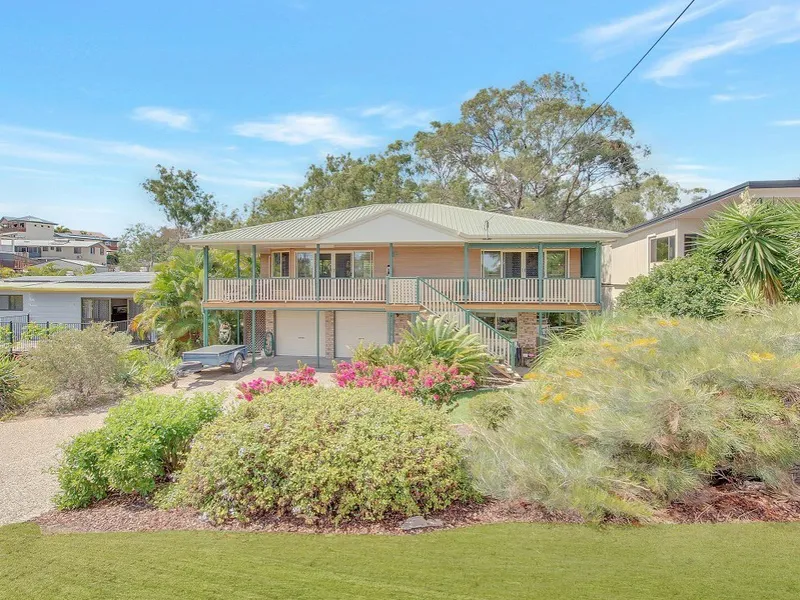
(726, 503)
(749, 501)
(133, 513)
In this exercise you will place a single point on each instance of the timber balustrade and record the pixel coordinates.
(404, 290)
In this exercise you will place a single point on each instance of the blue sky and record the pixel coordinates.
(248, 94)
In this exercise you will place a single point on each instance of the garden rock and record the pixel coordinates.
(419, 522)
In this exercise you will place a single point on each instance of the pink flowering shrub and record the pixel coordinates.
(303, 376)
(435, 384)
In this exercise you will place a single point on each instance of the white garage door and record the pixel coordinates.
(354, 327)
(295, 333)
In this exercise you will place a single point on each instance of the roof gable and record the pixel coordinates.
(388, 225)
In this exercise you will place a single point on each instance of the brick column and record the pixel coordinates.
(330, 333)
(401, 322)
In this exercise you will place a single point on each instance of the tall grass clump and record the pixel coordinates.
(626, 415)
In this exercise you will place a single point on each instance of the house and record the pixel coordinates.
(322, 284)
(30, 240)
(76, 266)
(675, 233)
(72, 299)
(111, 244)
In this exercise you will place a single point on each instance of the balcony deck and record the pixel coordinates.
(405, 292)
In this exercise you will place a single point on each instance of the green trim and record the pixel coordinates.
(540, 272)
(533, 245)
(238, 263)
(238, 312)
(206, 268)
(316, 274)
(253, 334)
(598, 272)
(253, 259)
(390, 328)
(466, 273)
(317, 331)
(391, 259)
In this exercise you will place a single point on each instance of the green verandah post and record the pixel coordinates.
(253, 259)
(598, 273)
(238, 312)
(318, 339)
(316, 275)
(205, 294)
(390, 274)
(540, 272)
(466, 273)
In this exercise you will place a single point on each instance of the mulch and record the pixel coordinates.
(718, 504)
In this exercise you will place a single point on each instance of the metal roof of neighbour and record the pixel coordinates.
(466, 223)
(777, 183)
(57, 242)
(101, 281)
(29, 219)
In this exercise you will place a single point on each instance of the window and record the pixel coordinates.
(8, 302)
(58, 248)
(362, 264)
(92, 250)
(491, 264)
(690, 241)
(496, 264)
(343, 265)
(325, 266)
(280, 264)
(563, 321)
(555, 264)
(488, 318)
(76, 250)
(304, 264)
(102, 251)
(504, 323)
(588, 262)
(531, 264)
(662, 249)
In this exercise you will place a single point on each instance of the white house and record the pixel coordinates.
(101, 297)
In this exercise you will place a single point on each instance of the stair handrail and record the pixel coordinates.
(438, 301)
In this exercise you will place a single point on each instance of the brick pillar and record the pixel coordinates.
(527, 331)
(330, 332)
(401, 322)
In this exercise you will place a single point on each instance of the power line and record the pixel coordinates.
(628, 74)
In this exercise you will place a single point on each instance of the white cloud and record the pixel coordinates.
(650, 23)
(398, 116)
(778, 24)
(737, 97)
(257, 184)
(175, 119)
(787, 123)
(298, 129)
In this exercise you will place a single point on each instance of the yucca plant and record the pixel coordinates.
(442, 340)
(758, 243)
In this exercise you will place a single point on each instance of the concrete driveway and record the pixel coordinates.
(28, 448)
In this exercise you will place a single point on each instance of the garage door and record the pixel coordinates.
(295, 333)
(354, 327)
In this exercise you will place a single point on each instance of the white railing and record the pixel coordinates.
(440, 305)
(404, 290)
(352, 290)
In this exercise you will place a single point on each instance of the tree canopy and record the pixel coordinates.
(184, 204)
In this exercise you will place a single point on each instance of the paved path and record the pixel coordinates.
(28, 448)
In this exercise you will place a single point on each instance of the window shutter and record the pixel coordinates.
(512, 264)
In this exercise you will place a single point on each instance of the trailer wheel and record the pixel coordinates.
(237, 364)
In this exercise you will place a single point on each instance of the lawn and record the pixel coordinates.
(730, 562)
(460, 414)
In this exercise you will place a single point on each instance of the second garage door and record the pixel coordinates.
(295, 333)
(353, 328)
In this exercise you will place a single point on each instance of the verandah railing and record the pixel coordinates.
(404, 290)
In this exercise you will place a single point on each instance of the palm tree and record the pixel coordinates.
(172, 304)
(758, 242)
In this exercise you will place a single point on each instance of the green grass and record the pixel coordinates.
(460, 414)
(731, 562)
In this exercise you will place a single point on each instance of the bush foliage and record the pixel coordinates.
(142, 441)
(625, 415)
(146, 368)
(73, 368)
(695, 286)
(431, 340)
(9, 384)
(330, 453)
(490, 410)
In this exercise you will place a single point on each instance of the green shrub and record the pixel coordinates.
(74, 368)
(9, 384)
(695, 286)
(37, 331)
(490, 410)
(142, 441)
(146, 368)
(431, 340)
(627, 415)
(327, 453)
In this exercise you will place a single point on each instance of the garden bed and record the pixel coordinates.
(726, 503)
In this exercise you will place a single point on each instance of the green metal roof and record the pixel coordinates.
(465, 223)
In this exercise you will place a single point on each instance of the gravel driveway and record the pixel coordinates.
(28, 448)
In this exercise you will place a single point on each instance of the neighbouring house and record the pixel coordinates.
(76, 266)
(323, 284)
(29, 240)
(675, 233)
(111, 244)
(72, 299)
